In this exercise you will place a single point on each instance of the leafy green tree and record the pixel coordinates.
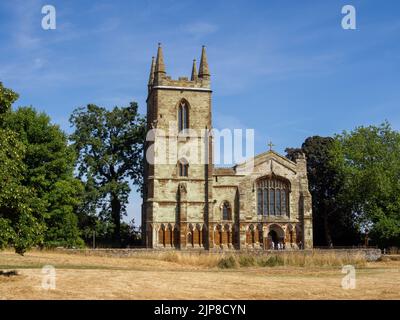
(7, 98)
(104, 230)
(369, 159)
(21, 222)
(333, 222)
(62, 226)
(49, 165)
(110, 154)
(39, 199)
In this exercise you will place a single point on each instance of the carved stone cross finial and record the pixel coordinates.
(270, 144)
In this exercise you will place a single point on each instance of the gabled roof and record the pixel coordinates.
(265, 156)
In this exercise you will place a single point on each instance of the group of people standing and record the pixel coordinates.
(277, 245)
(281, 245)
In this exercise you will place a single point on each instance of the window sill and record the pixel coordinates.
(280, 216)
(184, 135)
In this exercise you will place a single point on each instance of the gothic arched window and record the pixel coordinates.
(265, 203)
(273, 196)
(183, 116)
(183, 168)
(226, 211)
(259, 201)
(284, 196)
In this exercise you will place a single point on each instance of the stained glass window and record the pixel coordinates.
(272, 196)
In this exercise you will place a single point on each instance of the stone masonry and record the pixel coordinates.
(188, 204)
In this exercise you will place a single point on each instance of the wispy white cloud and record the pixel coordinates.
(199, 29)
(25, 14)
(223, 121)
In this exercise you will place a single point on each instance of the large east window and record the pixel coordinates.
(272, 197)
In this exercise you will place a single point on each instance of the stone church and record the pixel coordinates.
(192, 205)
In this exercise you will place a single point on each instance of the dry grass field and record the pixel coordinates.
(173, 276)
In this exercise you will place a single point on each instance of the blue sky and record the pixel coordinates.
(285, 68)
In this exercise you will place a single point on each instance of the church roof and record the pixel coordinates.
(224, 172)
(265, 155)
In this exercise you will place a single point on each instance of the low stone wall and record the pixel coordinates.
(368, 254)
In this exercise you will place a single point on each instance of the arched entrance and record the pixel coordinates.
(276, 236)
(273, 235)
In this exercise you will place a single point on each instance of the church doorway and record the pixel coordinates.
(273, 236)
(276, 237)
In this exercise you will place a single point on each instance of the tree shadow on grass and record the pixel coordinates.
(8, 273)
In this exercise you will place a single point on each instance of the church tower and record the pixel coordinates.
(178, 167)
(261, 204)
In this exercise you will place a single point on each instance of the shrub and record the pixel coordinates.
(227, 263)
(171, 257)
(271, 261)
(247, 261)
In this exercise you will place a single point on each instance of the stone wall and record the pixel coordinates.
(180, 204)
(368, 254)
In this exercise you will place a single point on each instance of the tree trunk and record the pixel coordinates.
(328, 237)
(116, 215)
